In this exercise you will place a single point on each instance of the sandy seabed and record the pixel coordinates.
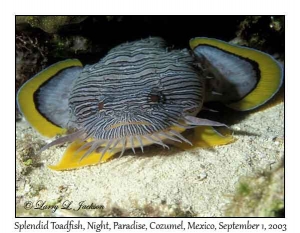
(198, 182)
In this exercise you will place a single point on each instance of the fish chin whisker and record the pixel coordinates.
(195, 121)
(184, 126)
(93, 147)
(159, 142)
(106, 148)
(138, 137)
(115, 144)
(173, 132)
(124, 141)
(188, 126)
(166, 135)
(84, 146)
(68, 138)
(132, 144)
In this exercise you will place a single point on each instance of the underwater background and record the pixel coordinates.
(245, 178)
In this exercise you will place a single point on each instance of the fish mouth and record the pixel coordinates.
(127, 123)
(121, 144)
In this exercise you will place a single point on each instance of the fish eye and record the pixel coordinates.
(100, 106)
(154, 98)
(157, 97)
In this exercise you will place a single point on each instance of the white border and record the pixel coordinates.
(30, 7)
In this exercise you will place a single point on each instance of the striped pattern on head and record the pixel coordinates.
(137, 91)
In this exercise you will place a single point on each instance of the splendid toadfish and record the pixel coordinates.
(141, 93)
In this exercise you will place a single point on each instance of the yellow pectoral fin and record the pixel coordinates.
(27, 99)
(207, 136)
(72, 159)
(269, 71)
